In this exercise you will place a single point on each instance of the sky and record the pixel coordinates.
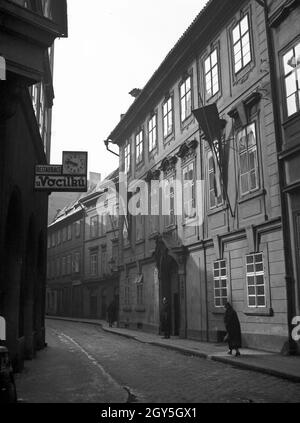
(113, 47)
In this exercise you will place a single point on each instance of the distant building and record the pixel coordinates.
(236, 253)
(284, 21)
(28, 31)
(83, 254)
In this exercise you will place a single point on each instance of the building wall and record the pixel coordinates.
(285, 33)
(256, 224)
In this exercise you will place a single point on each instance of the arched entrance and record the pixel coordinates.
(26, 314)
(12, 271)
(170, 261)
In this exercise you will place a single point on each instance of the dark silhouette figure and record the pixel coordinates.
(112, 313)
(166, 318)
(233, 328)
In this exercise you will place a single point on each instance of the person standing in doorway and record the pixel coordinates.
(166, 318)
(111, 313)
(233, 328)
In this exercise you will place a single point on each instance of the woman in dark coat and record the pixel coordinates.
(166, 318)
(233, 328)
(111, 313)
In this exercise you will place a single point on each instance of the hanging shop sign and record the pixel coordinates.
(71, 176)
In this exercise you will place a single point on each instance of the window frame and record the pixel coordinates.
(127, 157)
(152, 133)
(94, 227)
(205, 73)
(248, 151)
(166, 117)
(254, 274)
(233, 43)
(219, 201)
(219, 279)
(139, 147)
(181, 98)
(286, 50)
(94, 261)
(192, 200)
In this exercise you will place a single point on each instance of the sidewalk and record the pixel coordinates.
(260, 361)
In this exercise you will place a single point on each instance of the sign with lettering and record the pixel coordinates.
(60, 183)
(48, 170)
(71, 176)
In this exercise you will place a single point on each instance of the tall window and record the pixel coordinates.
(189, 191)
(69, 232)
(154, 195)
(58, 267)
(77, 228)
(220, 283)
(127, 293)
(140, 293)
(247, 145)
(212, 74)
(256, 280)
(76, 263)
(169, 202)
(104, 261)
(168, 117)
(241, 44)
(139, 147)
(64, 266)
(291, 61)
(53, 239)
(59, 237)
(94, 224)
(152, 130)
(215, 190)
(94, 264)
(69, 264)
(127, 153)
(64, 233)
(186, 98)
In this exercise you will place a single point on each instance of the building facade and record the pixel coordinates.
(235, 252)
(83, 274)
(28, 31)
(283, 18)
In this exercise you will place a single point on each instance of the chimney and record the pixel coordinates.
(94, 178)
(135, 92)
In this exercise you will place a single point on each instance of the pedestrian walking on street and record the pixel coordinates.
(233, 328)
(111, 313)
(166, 318)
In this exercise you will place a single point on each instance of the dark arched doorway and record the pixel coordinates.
(12, 271)
(26, 325)
(170, 260)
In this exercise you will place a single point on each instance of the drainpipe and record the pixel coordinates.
(107, 142)
(290, 284)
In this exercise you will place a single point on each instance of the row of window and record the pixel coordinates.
(64, 266)
(242, 56)
(255, 277)
(95, 262)
(101, 224)
(65, 234)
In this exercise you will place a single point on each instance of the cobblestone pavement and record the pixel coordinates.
(137, 372)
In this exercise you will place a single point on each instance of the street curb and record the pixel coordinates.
(256, 368)
(184, 351)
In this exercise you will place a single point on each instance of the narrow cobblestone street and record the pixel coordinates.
(87, 365)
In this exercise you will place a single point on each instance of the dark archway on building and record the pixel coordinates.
(39, 294)
(26, 314)
(12, 272)
(170, 260)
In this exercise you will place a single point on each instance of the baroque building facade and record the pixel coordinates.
(28, 31)
(216, 76)
(83, 254)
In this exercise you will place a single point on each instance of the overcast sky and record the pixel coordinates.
(113, 47)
